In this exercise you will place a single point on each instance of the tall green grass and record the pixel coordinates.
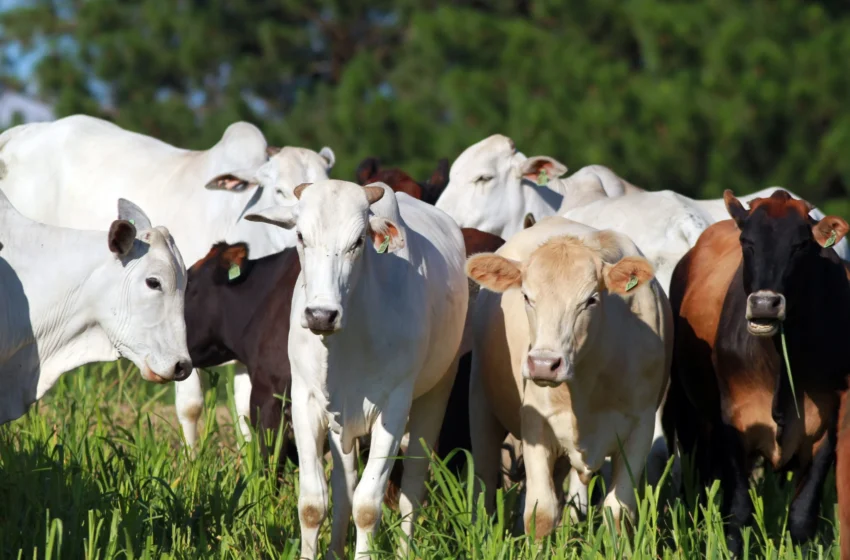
(97, 470)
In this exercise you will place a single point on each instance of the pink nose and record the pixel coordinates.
(547, 367)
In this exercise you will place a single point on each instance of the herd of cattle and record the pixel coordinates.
(646, 321)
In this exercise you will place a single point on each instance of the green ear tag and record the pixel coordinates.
(385, 245)
(831, 241)
(234, 272)
(132, 221)
(543, 177)
(633, 281)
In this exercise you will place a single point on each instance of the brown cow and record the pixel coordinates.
(370, 171)
(768, 270)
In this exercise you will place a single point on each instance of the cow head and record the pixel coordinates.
(567, 288)
(336, 234)
(271, 184)
(491, 186)
(224, 265)
(778, 240)
(140, 305)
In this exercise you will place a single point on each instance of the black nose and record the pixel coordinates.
(321, 319)
(766, 305)
(182, 370)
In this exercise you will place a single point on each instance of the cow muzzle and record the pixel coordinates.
(546, 368)
(765, 312)
(180, 372)
(322, 319)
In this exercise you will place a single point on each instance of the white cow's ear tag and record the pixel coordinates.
(234, 272)
(385, 245)
(831, 241)
(132, 221)
(633, 281)
(543, 177)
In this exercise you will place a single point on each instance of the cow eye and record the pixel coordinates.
(300, 238)
(484, 179)
(527, 301)
(153, 283)
(357, 244)
(591, 301)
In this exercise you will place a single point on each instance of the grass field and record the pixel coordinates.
(96, 470)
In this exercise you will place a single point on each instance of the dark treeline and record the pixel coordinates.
(691, 96)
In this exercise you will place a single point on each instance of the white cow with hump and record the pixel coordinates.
(70, 173)
(572, 347)
(70, 297)
(377, 320)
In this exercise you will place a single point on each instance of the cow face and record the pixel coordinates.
(566, 288)
(272, 184)
(140, 306)
(778, 241)
(488, 182)
(336, 232)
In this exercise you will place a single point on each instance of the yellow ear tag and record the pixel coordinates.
(633, 281)
(234, 272)
(831, 241)
(385, 245)
(542, 177)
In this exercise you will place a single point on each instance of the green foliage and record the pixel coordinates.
(691, 96)
(96, 470)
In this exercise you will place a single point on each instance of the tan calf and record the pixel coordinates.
(572, 357)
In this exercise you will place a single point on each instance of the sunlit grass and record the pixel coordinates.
(97, 470)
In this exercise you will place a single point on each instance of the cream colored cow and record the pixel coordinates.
(577, 312)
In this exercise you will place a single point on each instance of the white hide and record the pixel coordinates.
(70, 173)
(67, 300)
(391, 363)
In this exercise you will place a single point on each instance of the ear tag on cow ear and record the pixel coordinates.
(132, 221)
(831, 241)
(543, 177)
(234, 272)
(633, 281)
(385, 245)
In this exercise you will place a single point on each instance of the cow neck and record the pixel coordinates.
(62, 305)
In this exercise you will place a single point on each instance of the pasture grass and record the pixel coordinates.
(96, 470)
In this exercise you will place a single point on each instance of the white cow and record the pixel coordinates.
(86, 164)
(377, 319)
(493, 187)
(70, 297)
(581, 317)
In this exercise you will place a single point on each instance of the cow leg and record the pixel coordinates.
(577, 496)
(242, 399)
(630, 456)
(343, 481)
(541, 500)
(386, 436)
(737, 505)
(426, 419)
(310, 431)
(487, 435)
(189, 402)
(842, 475)
(803, 514)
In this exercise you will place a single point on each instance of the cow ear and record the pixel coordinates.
(440, 178)
(829, 231)
(528, 221)
(385, 235)
(280, 216)
(235, 181)
(366, 170)
(374, 193)
(494, 272)
(130, 212)
(627, 275)
(329, 157)
(540, 169)
(735, 208)
(122, 235)
(233, 260)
